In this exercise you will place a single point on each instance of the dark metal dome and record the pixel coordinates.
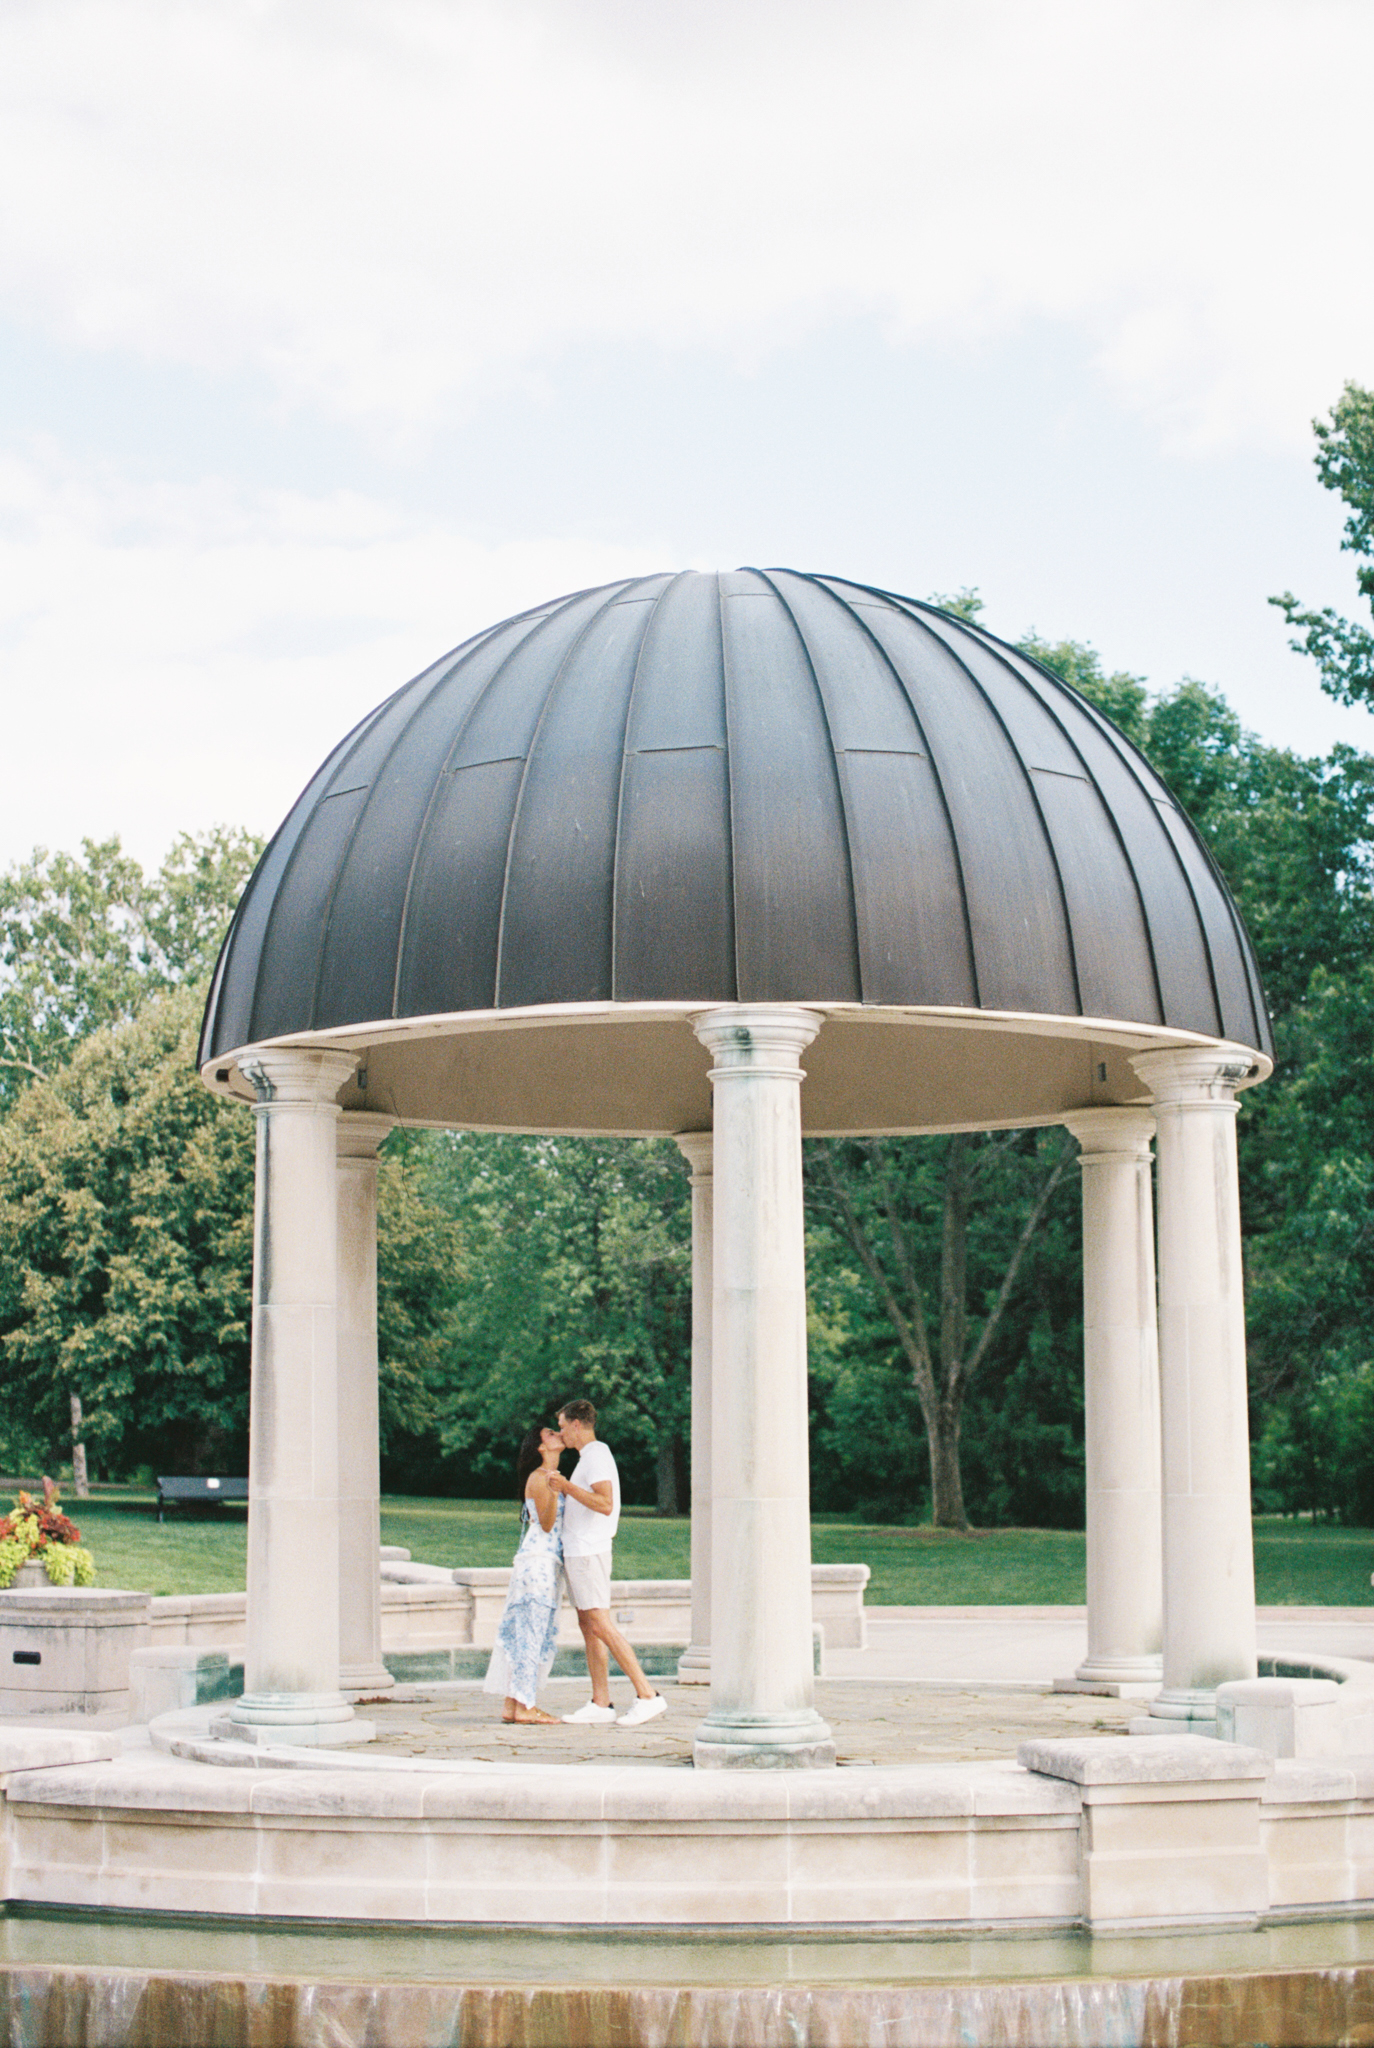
(753, 787)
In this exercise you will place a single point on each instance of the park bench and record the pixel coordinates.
(199, 1489)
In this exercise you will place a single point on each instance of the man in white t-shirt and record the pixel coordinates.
(589, 1525)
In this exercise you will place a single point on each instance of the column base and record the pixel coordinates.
(1115, 1677)
(293, 1717)
(1180, 1710)
(1185, 1703)
(764, 1742)
(364, 1681)
(296, 1735)
(694, 1665)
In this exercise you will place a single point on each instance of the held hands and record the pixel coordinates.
(559, 1483)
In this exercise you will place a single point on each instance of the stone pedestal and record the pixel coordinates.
(1209, 1572)
(66, 1649)
(694, 1666)
(361, 1670)
(291, 1666)
(1121, 1400)
(762, 1712)
(1170, 1831)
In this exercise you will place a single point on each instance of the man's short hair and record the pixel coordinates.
(578, 1411)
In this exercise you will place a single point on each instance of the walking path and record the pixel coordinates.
(1035, 1645)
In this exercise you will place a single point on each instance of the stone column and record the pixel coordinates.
(361, 1670)
(762, 1685)
(292, 1664)
(694, 1666)
(1120, 1399)
(1209, 1571)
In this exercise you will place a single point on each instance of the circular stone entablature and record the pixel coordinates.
(510, 888)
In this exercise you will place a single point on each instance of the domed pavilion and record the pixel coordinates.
(621, 864)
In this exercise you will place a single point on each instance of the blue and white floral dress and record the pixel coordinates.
(527, 1633)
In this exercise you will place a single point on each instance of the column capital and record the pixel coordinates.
(1109, 1134)
(1195, 1073)
(360, 1132)
(293, 1075)
(757, 1038)
(698, 1148)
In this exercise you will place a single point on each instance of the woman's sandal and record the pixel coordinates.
(536, 1718)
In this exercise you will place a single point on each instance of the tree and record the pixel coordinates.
(126, 1248)
(86, 939)
(966, 1207)
(1342, 649)
(578, 1282)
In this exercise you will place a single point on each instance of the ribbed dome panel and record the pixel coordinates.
(756, 787)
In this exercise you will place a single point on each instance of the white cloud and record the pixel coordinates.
(178, 657)
(385, 205)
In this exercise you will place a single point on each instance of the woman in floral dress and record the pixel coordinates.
(528, 1630)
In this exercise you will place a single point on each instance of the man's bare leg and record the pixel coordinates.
(598, 1662)
(600, 1633)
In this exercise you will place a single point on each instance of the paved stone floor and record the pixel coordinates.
(873, 1723)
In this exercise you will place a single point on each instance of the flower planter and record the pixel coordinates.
(29, 1577)
(34, 1535)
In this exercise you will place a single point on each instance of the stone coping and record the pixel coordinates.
(306, 1781)
(1152, 1760)
(93, 1602)
(41, 1749)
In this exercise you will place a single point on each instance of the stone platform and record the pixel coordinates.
(873, 1723)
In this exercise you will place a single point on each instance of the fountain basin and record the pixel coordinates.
(123, 1978)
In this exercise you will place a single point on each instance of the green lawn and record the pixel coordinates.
(1296, 1563)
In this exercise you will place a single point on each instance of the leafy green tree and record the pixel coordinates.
(86, 939)
(966, 1208)
(126, 1248)
(1342, 649)
(578, 1282)
(423, 1268)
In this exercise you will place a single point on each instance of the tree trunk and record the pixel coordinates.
(943, 1426)
(945, 1414)
(667, 1476)
(79, 1485)
(954, 1260)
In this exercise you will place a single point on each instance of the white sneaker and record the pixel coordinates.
(592, 1712)
(644, 1710)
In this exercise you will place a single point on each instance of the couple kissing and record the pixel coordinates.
(567, 1529)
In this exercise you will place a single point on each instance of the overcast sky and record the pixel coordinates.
(333, 330)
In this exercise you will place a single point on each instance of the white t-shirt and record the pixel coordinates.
(585, 1532)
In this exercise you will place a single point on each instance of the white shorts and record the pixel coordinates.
(589, 1580)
